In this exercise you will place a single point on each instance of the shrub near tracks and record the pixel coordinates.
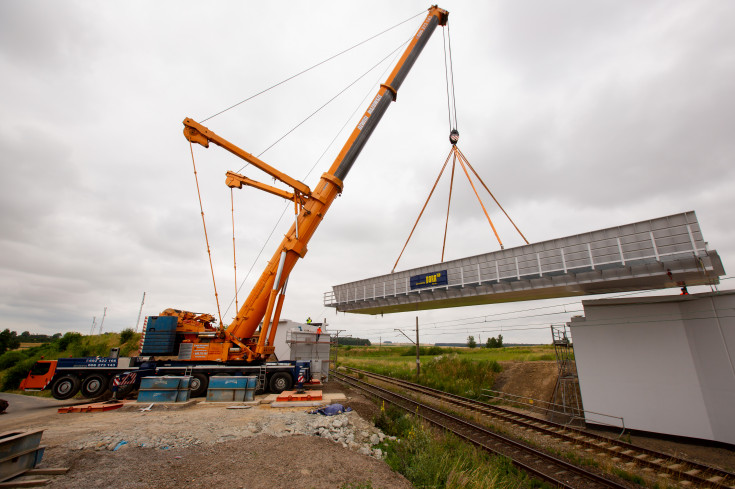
(429, 459)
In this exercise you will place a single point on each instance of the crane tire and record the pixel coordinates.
(280, 381)
(199, 384)
(65, 387)
(94, 386)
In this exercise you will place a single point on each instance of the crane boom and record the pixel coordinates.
(265, 300)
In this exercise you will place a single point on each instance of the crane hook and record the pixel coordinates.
(454, 137)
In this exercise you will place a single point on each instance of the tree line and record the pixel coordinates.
(492, 342)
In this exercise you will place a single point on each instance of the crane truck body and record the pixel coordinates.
(247, 342)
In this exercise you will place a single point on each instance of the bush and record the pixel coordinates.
(14, 375)
(423, 350)
(69, 339)
(126, 335)
(428, 459)
(8, 340)
(10, 358)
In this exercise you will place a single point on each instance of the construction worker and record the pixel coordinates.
(308, 320)
(318, 333)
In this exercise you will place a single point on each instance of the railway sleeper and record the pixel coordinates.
(525, 424)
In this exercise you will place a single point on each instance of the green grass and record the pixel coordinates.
(636, 479)
(431, 460)
(462, 371)
(404, 354)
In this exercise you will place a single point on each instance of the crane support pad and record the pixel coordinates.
(654, 254)
(294, 396)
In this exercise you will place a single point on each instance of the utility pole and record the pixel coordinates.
(94, 323)
(103, 320)
(140, 312)
(418, 362)
(380, 342)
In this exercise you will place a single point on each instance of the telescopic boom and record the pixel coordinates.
(265, 301)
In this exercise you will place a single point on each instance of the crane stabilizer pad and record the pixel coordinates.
(96, 407)
(293, 396)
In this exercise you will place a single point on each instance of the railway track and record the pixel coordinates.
(672, 468)
(536, 463)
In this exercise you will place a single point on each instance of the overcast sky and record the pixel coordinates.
(579, 115)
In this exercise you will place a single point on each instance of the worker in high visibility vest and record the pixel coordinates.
(318, 333)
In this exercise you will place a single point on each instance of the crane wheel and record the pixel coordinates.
(199, 385)
(280, 381)
(65, 387)
(94, 386)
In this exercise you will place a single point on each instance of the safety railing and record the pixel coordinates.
(526, 402)
(526, 262)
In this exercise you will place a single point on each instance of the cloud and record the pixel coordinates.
(577, 116)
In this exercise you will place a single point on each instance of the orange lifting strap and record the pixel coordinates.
(457, 155)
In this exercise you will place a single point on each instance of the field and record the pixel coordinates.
(463, 371)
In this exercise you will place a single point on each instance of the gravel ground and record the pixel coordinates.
(203, 445)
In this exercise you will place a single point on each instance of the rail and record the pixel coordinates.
(522, 401)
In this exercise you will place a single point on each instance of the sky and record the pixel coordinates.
(579, 115)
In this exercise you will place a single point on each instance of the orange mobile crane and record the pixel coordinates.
(241, 340)
(202, 349)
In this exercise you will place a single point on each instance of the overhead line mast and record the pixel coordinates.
(239, 339)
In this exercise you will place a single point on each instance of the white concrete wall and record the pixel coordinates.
(664, 364)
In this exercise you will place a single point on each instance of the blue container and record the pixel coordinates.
(160, 383)
(165, 389)
(161, 323)
(229, 389)
(158, 396)
(250, 389)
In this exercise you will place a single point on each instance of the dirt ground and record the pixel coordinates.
(535, 380)
(205, 446)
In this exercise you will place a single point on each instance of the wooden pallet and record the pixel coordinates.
(16, 483)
